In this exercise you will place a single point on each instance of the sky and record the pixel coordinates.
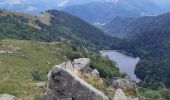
(63, 2)
(30, 5)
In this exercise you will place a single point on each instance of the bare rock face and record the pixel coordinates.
(128, 86)
(7, 97)
(64, 84)
(119, 95)
(82, 64)
(95, 72)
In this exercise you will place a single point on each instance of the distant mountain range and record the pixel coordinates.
(104, 11)
(97, 12)
(126, 27)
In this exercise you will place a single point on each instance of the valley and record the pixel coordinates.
(125, 63)
(75, 52)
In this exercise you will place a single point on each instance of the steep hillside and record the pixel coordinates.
(51, 26)
(77, 30)
(126, 27)
(153, 48)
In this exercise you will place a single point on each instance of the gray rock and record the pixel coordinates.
(40, 84)
(18, 49)
(82, 64)
(95, 72)
(63, 84)
(69, 65)
(126, 85)
(7, 97)
(3, 52)
(119, 95)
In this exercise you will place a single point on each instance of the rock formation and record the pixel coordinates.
(7, 97)
(128, 86)
(64, 83)
(95, 72)
(82, 64)
(119, 95)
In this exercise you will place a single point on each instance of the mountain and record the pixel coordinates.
(30, 45)
(104, 11)
(37, 6)
(51, 26)
(150, 40)
(126, 27)
(86, 9)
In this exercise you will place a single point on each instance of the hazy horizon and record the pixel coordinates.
(43, 5)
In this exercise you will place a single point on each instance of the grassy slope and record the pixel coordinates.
(16, 77)
(16, 70)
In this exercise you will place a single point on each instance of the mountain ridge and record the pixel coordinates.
(51, 26)
(132, 26)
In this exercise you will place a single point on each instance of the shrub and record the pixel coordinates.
(38, 97)
(73, 55)
(37, 75)
(165, 93)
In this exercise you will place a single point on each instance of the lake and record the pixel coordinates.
(124, 62)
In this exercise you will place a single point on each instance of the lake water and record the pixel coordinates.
(125, 63)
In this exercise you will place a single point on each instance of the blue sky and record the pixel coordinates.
(63, 2)
(30, 5)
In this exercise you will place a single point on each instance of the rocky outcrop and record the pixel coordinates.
(64, 83)
(40, 84)
(7, 97)
(82, 64)
(95, 72)
(119, 95)
(128, 86)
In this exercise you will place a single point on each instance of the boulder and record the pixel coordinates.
(95, 72)
(40, 84)
(119, 95)
(64, 84)
(3, 52)
(69, 65)
(82, 64)
(128, 86)
(7, 97)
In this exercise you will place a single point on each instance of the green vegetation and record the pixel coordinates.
(159, 94)
(153, 48)
(16, 27)
(149, 39)
(26, 63)
(19, 70)
(58, 26)
(127, 27)
(38, 97)
(150, 94)
(37, 76)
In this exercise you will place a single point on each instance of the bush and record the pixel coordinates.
(149, 94)
(73, 55)
(165, 93)
(37, 75)
(38, 97)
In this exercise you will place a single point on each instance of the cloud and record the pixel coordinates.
(30, 9)
(63, 3)
(11, 2)
(112, 1)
